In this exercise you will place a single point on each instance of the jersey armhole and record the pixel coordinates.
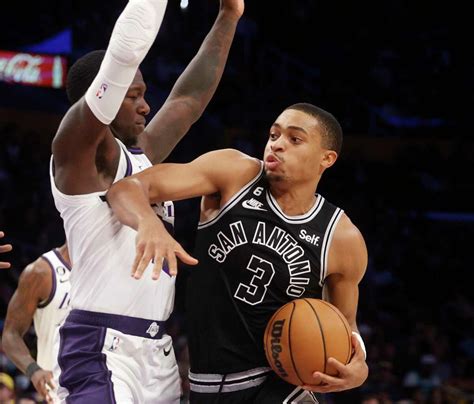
(44, 303)
(328, 235)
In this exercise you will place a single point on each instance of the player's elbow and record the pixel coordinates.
(190, 108)
(114, 192)
(8, 340)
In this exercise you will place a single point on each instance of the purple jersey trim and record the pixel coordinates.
(135, 150)
(128, 172)
(60, 257)
(139, 327)
(42, 305)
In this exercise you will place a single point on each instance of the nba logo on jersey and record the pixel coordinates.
(101, 91)
(153, 329)
(114, 345)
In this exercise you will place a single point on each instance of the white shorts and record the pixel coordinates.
(106, 358)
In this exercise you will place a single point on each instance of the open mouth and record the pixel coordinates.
(272, 162)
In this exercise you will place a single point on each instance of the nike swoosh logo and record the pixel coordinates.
(246, 205)
(167, 352)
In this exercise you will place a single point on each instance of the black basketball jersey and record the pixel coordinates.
(252, 259)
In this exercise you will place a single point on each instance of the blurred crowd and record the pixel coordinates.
(414, 207)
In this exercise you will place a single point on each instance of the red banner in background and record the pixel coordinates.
(33, 69)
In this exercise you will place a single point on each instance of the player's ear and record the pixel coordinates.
(329, 158)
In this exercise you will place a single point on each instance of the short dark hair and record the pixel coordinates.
(82, 73)
(332, 130)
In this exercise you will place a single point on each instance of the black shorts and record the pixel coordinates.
(272, 391)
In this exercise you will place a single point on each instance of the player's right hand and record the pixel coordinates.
(236, 7)
(44, 384)
(155, 244)
(348, 376)
(3, 249)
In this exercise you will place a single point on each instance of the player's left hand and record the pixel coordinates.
(3, 249)
(236, 7)
(44, 384)
(349, 376)
(155, 244)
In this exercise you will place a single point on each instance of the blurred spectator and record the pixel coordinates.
(7, 389)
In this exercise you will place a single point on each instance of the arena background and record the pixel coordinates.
(397, 76)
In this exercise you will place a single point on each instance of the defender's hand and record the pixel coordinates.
(349, 376)
(235, 7)
(44, 384)
(154, 243)
(3, 249)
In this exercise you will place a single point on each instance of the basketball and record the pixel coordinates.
(302, 335)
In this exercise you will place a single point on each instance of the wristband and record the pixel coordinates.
(31, 369)
(361, 342)
(132, 37)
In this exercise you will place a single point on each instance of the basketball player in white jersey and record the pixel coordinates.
(113, 344)
(42, 297)
(3, 249)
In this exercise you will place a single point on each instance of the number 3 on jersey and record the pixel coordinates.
(255, 291)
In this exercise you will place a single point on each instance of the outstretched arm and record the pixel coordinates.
(195, 87)
(130, 200)
(3, 249)
(84, 135)
(34, 286)
(347, 263)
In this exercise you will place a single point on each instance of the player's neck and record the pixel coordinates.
(294, 202)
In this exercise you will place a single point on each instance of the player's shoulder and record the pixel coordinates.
(230, 170)
(346, 230)
(231, 154)
(232, 161)
(348, 249)
(37, 270)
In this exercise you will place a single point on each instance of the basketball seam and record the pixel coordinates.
(347, 331)
(322, 333)
(289, 344)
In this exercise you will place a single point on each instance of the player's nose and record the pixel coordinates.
(278, 144)
(143, 108)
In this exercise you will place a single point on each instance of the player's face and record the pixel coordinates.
(130, 121)
(294, 150)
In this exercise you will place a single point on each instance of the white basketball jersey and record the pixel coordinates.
(50, 313)
(103, 250)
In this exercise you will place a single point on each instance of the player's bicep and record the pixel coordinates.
(24, 302)
(344, 294)
(208, 174)
(347, 264)
(78, 135)
(348, 251)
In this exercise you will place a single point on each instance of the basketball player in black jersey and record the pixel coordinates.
(265, 238)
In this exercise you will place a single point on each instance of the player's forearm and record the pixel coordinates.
(15, 348)
(130, 202)
(193, 90)
(203, 74)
